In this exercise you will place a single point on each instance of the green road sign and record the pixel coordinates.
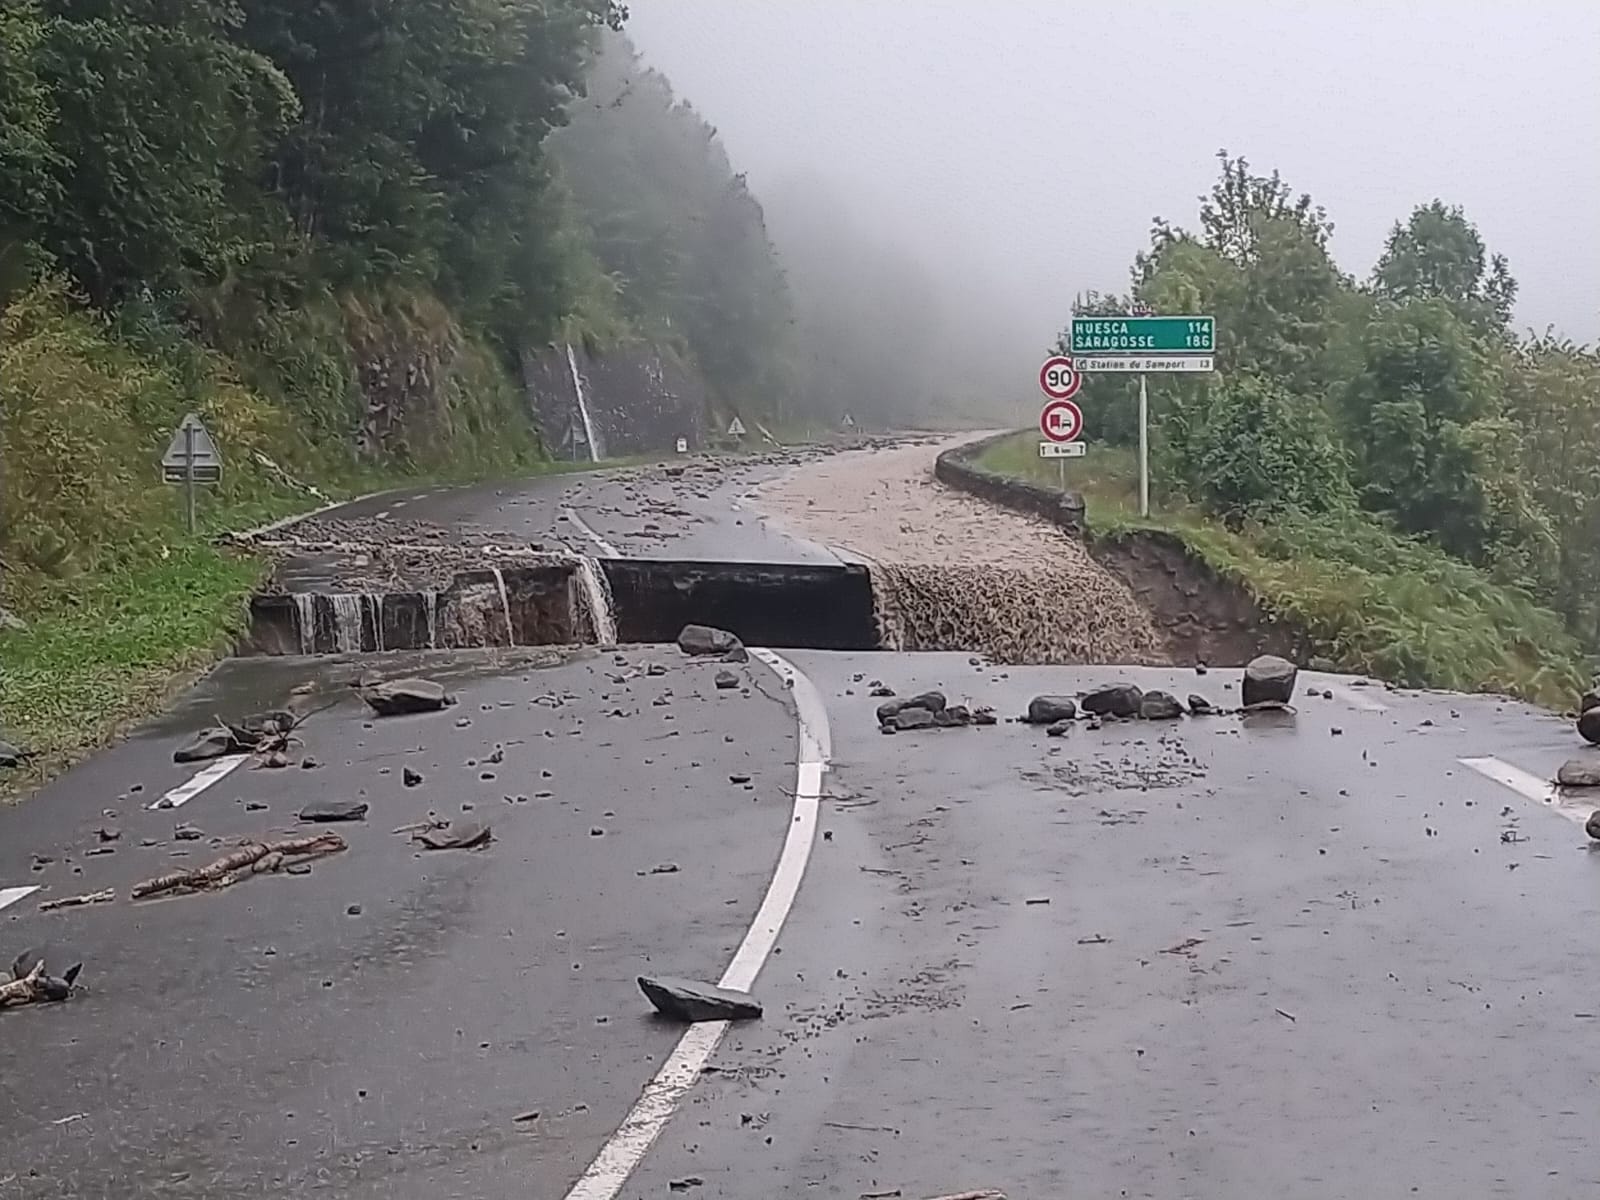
(1143, 335)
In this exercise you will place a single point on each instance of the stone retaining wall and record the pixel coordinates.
(958, 468)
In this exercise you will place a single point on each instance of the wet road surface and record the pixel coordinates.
(1216, 957)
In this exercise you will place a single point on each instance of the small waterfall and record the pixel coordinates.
(595, 593)
(505, 603)
(377, 620)
(306, 608)
(347, 615)
(430, 612)
(596, 450)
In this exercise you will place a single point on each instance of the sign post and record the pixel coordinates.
(1061, 421)
(1145, 344)
(191, 458)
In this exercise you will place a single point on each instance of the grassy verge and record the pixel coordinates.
(1373, 602)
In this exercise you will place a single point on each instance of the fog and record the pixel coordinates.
(1018, 149)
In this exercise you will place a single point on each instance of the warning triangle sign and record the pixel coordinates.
(736, 428)
(192, 442)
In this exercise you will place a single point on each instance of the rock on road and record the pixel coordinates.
(1213, 957)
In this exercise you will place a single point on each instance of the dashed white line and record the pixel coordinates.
(1531, 787)
(10, 895)
(199, 782)
(582, 527)
(626, 1148)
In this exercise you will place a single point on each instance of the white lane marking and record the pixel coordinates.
(10, 895)
(582, 527)
(1531, 787)
(626, 1148)
(199, 782)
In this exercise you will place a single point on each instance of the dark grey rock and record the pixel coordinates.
(929, 701)
(1047, 710)
(1159, 706)
(984, 716)
(1579, 773)
(688, 1000)
(727, 679)
(399, 697)
(1199, 706)
(1061, 728)
(911, 718)
(703, 640)
(1115, 700)
(1590, 699)
(1592, 825)
(1589, 725)
(410, 776)
(186, 832)
(208, 743)
(12, 755)
(250, 731)
(880, 690)
(468, 835)
(324, 811)
(1269, 679)
(953, 717)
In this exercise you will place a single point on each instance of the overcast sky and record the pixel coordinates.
(1040, 136)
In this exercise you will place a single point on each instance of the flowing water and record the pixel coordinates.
(306, 609)
(595, 595)
(596, 450)
(348, 612)
(505, 603)
(430, 610)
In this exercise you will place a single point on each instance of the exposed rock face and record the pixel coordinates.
(640, 399)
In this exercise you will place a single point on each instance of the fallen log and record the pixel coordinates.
(257, 856)
(36, 984)
(100, 897)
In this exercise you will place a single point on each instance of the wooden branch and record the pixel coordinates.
(74, 901)
(256, 856)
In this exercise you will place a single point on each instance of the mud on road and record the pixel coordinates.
(953, 573)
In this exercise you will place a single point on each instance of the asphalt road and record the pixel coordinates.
(1217, 957)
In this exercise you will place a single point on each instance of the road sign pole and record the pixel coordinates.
(188, 475)
(1144, 450)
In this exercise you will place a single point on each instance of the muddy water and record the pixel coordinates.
(954, 573)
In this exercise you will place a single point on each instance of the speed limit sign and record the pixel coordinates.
(1058, 379)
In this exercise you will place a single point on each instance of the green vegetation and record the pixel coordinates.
(1371, 600)
(336, 232)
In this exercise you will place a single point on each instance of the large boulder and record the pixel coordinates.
(1160, 706)
(1269, 679)
(1199, 706)
(930, 701)
(911, 718)
(1579, 773)
(397, 697)
(703, 641)
(1589, 725)
(1114, 700)
(1047, 710)
(688, 1000)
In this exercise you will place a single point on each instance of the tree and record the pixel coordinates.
(1246, 448)
(1439, 254)
(1431, 444)
(1233, 218)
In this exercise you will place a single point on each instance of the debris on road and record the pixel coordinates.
(259, 857)
(980, 1194)
(12, 755)
(726, 679)
(1579, 773)
(1199, 706)
(908, 719)
(214, 742)
(323, 811)
(701, 641)
(185, 832)
(400, 697)
(469, 835)
(1114, 700)
(100, 897)
(1047, 710)
(1269, 680)
(1061, 728)
(1592, 825)
(687, 1000)
(1160, 706)
(33, 984)
(666, 868)
(929, 701)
